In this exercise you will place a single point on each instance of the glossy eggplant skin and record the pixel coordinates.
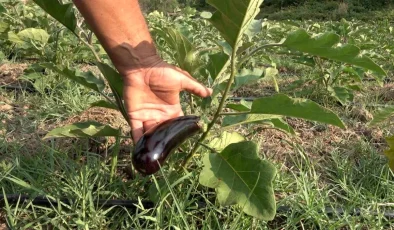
(152, 150)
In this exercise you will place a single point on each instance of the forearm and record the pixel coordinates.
(121, 29)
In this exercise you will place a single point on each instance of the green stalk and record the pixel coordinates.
(197, 146)
(114, 160)
(234, 114)
(191, 102)
(258, 49)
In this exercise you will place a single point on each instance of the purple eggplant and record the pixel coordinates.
(154, 147)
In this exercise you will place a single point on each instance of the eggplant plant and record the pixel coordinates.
(386, 115)
(232, 165)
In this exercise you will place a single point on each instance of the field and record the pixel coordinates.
(327, 146)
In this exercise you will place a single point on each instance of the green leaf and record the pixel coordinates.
(2, 9)
(233, 18)
(272, 120)
(281, 104)
(216, 64)
(282, 125)
(4, 27)
(323, 46)
(38, 36)
(229, 121)
(226, 138)
(87, 79)
(246, 76)
(390, 152)
(342, 94)
(181, 48)
(254, 28)
(83, 129)
(104, 104)
(270, 74)
(240, 177)
(382, 115)
(206, 14)
(244, 106)
(63, 13)
(114, 79)
(13, 37)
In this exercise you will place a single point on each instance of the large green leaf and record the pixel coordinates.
(83, 129)
(226, 138)
(4, 27)
(26, 37)
(390, 152)
(246, 118)
(281, 104)
(87, 79)
(104, 104)
(324, 46)
(2, 9)
(240, 177)
(342, 94)
(243, 106)
(273, 120)
(217, 62)
(233, 18)
(115, 82)
(181, 48)
(114, 79)
(39, 36)
(245, 76)
(62, 13)
(382, 115)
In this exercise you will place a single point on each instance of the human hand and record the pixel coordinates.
(151, 95)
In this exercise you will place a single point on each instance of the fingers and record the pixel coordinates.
(194, 87)
(140, 125)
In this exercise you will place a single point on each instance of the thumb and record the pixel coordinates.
(191, 85)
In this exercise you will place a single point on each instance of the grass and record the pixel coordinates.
(309, 184)
(327, 178)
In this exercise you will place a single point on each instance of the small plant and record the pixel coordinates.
(342, 10)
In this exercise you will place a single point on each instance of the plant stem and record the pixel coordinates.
(91, 48)
(115, 153)
(191, 103)
(108, 99)
(234, 114)
(256, 51)
(207, 147)
(197, 145)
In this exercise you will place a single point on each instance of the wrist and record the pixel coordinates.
(130, 59)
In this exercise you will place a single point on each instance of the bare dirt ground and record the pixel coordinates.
(10, 72)
(11, 114)
(3, 225)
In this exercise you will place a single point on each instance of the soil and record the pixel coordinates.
(3, 225)
(97, 145)
(11, 128)
(387, 92)
(317, 141)
(10, 73)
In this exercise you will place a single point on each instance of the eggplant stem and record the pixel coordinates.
(197, 146)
